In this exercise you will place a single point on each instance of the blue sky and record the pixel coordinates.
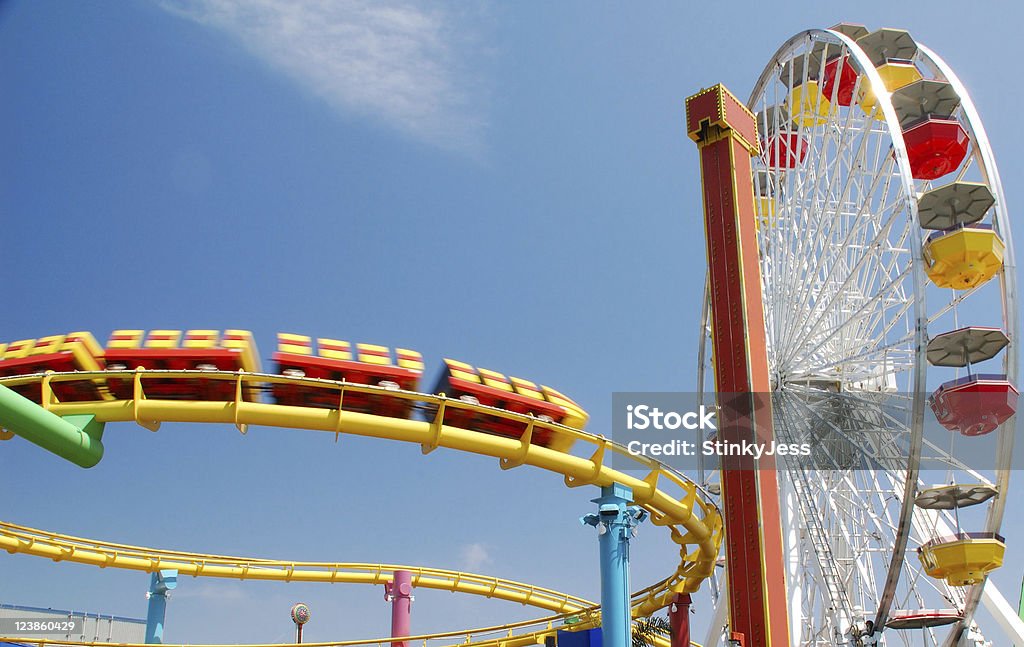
(504, 183)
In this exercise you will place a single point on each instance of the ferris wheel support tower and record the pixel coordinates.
(726, 134)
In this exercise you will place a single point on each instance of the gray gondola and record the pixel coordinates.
(949, 497)
(921, 99)
(885, 44)
(959, 203)
(850, 30)
(965, 346)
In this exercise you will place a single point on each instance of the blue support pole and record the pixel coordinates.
(615, 522)
(159, 584)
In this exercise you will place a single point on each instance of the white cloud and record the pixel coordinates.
(475, 556)
(385, 59)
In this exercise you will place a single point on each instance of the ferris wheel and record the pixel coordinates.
(891, 318)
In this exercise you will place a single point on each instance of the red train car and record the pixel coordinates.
(490, 388)
(77, 351)
(335, 360)
(203, 350)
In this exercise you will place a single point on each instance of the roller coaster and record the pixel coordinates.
(213, 378)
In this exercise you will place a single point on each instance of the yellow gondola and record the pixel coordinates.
(963, 559)
(808, 105)
(895, 75)
(963, 258)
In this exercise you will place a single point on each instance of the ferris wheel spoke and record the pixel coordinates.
(886, 297)
(958, 298)
(887, 352)
(830, 219)
(896, 251)
(867, 251)
(816, 239)
(968, 166)
(877, 342)
(852, 318)
(944, 455)
(808, 414)
(796, 173)
(823, 308)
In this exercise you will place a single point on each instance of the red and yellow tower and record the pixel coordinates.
(726, 135)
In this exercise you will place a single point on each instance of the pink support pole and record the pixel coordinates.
(679, 619)
(399, 593)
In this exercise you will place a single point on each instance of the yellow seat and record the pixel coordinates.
(462, 371)
(163, 339)
(527, 388)
(575, 415)
(47, 345)
(963, 258)
(295, 344)
(242, 342)
(334, 349)
(86, 350)
(125, 339)
(201, 339)
(807, 105)
(765, 212)
(373, 354)
(895, 74)
(495, 380)
(19, 349)
(964, 559)
(409, 359)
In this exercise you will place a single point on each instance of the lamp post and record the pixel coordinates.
(300, 616)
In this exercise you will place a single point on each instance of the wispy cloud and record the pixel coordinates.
(475, 556)
(386, 60)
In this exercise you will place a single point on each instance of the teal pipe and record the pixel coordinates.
(615, 521)
(159, 584)
(75, 438)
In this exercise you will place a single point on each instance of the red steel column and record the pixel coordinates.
(726, 135)
(679, 620)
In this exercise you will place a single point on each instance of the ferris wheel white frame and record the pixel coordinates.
(903, 477)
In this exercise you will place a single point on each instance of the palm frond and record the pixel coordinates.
(645, 630)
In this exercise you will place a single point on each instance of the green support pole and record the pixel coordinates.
(1020, 606)
(75, 438)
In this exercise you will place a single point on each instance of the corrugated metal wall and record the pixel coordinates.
(94, 626)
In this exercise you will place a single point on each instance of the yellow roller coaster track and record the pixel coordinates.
(30, 541)
(673, 501)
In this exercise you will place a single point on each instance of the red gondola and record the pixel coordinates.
(839, 71)
(974, 405)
